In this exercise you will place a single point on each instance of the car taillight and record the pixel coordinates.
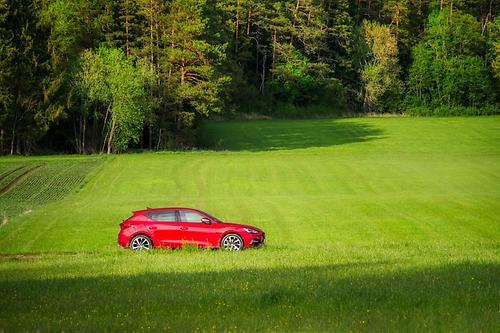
(124, 225)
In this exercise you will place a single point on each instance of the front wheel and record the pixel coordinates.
(141, 242)
(232, 242)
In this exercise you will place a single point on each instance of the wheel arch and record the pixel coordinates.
(140, 233)
(231, 232)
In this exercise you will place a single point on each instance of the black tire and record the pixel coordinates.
(140, 243)
(232, 242)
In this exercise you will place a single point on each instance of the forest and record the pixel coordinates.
(91, 76)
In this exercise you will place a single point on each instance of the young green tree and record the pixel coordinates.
(493, 40)
(108, 78)
(380, 75)
(73, 27)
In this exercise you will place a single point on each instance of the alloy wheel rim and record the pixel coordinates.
(141, 243)
(232, 243)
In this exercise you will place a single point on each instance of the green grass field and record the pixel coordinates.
(373, 224)
(30, 183)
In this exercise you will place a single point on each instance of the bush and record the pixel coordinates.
(452, 111)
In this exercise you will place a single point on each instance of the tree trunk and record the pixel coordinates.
(487, 18)
(150, 133)
(151, 34)
(13, 138)
(263, 78)
(104, 129)
(274, 48)
(257, 60)
(159, 140)
(111, 133)
(236, 28)
(397, 19)
(249, 14)
(84, 131)
(297, 5)
(127, 50)
(77, 133)
(157, 48)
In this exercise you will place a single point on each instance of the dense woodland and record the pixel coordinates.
(91, 76)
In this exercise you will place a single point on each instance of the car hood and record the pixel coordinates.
(237, 225)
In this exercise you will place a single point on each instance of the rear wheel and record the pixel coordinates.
(232, 242)
(141, 242)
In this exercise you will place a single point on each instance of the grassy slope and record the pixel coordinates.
(28, 183)
(372, 224)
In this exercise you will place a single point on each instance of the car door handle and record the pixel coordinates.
(184, 228)
(152, 228)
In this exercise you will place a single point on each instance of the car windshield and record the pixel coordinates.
(211, 216)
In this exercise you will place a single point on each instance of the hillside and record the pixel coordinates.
(373, 224)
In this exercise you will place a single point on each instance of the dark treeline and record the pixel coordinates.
(92, 76)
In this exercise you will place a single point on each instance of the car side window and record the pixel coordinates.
(190, 216)
(162, 216)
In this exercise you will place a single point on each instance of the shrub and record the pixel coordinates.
(452, 111)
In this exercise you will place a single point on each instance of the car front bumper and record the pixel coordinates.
(258, 241)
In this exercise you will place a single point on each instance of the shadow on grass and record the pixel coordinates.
(461, 297)
(263, 135)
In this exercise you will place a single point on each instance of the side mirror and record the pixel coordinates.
(205, 220)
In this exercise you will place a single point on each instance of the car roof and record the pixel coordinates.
(142, 211)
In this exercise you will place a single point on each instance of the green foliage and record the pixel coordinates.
(6, 55)
(380, 75)
(452, 111)
(193, 60)
(72, 26)
(448, 69)
(293, 81)
(23, 66)
(109, 79)
(494, 48)
(198, 58)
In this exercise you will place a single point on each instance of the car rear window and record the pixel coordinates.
(162, 216)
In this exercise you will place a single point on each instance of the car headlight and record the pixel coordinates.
(251, 231)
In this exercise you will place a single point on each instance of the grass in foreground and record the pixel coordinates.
(387, 288)
(396, 230)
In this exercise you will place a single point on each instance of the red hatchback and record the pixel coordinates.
(174, 227)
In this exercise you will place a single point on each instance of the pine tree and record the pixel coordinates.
(25, 70)
(192, 64)
(6, 57)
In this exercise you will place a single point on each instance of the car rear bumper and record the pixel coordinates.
(122, 240)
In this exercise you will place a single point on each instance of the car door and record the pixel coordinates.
(166, 228)
(193, 230)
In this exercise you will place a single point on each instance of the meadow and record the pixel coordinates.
(373, 224)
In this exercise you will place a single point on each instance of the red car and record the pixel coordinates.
(174, 227)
